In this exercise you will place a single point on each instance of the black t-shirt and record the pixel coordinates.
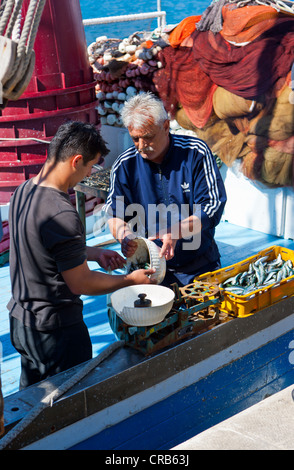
(46, 238)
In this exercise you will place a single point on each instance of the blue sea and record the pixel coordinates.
(175, 12)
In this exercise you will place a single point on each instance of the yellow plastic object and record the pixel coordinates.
(244, 305)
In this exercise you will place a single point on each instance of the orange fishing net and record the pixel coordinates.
(183, 30)
(242, 25)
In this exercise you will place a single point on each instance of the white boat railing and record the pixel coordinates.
(159, 14)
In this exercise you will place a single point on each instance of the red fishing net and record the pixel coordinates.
(181, 80)
(251, 70)
(236, 97)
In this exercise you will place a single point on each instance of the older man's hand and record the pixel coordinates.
(128, 246)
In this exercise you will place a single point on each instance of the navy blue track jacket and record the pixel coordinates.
(188, 176)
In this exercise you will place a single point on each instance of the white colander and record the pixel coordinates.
(148, 252)
(161, 297)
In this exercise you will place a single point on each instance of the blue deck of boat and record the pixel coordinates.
(235, 244)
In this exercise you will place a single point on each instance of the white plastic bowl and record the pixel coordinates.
(161, 297)
(148, 252)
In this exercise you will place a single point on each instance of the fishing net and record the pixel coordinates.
(183, 30)
(213, 17)
(224, 75)
(232, 85)
(277, 124)
(251, 70)
(228, 105)
(244, 28)
(223, 140)
(181, 80)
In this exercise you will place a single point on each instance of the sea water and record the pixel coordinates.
(175, 12)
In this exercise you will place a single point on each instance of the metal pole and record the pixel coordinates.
(122, 18)
(159, 22)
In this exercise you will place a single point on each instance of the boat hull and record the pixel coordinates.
(132, 402)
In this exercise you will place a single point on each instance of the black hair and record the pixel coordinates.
(75, 137)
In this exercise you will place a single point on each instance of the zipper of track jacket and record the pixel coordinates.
(164, 188)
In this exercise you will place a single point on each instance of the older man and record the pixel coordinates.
(163, 171)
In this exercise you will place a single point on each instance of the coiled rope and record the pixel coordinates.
(286, 6)
(23, 63)
(53, 396)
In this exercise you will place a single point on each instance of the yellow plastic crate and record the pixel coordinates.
(244, 305)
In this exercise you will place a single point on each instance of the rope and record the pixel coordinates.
(22, 65)
(14, 18)
(212, 19)
(16, 29)
(5, 15)
(2, 6)
(34, 24)
(284, 6)
(27, 37)
(287, 5)
(49, 399)
(4, 139)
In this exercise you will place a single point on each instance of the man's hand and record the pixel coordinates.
(168, 246)
(141, 276)
(109, 259)
(122, 232)
(128, 246)
(167, 249)
(185, 229)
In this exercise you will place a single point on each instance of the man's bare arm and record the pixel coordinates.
(82, 281)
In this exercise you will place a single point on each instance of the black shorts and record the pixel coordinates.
(44, 354)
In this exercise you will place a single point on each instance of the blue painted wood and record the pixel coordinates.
(218, 396)
(95, 317)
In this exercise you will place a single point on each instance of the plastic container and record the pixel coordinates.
(244, 305)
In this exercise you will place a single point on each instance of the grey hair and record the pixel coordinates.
(142, 109)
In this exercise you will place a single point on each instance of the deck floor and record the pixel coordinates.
(235, 244)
